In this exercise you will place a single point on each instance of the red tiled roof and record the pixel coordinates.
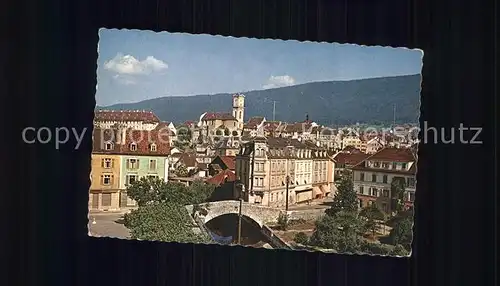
(394, 155)
(125, 115)
(350, 158)
(222, 177)
(188, 159)
(218, 116)
(271, 125)
(230, 161)
(122, 146)
(254, 122)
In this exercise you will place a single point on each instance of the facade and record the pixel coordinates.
(373, 176)
(373, 145)
(353, 141)
(266, 166)
(135, 119)
(105, 182)
(121, 155)
(223, 124)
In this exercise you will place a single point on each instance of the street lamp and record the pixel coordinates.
(239, 186)
(287, 179)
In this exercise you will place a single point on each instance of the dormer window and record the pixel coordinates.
(152, 147)
(133, 146)
(108, 146)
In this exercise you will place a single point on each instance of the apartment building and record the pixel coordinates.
(121, 156)
(266, 166)
(373, 176)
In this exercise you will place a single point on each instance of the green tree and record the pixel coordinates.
(162, 214)
(402, 233)
(181, 171)
(283, 221)
(372, 214)
(398, 186)
(184, 134)
(227, 132)
(301, 238)
(345, 199)
(341, 232)
(218, 132)
(151, 190)
(162, 222)
(399, 250)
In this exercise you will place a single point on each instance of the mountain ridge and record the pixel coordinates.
(340, 102)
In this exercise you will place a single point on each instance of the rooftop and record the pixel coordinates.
(125, 115)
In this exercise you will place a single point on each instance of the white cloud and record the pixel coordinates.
(279, 81)
(124, 79)
(128, 65)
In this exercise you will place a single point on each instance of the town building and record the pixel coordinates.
(374, 145)
(346, 159)
(223, 124)
(226, 147)
(372, 177)
(135, 119)
(120, 156)
(267, 166)
(222, 163)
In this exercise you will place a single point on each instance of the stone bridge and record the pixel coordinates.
(260, 214)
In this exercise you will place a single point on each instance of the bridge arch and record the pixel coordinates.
(259, 214)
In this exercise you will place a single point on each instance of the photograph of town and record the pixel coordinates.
(255, 142)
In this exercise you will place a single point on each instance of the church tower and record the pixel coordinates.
(239, 109)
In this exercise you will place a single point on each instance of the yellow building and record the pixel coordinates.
(105, 183)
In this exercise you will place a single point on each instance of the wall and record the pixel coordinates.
(262, 215)
(143, 169)
(97, 170)
(308, 215)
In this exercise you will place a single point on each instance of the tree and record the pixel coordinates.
(301, 238)
(227, 132)
(346, 199)
(399, 250)
(372, 214)
(162, 214)
(184, 134)
(218, 132)
(402, 233)
(181, 171)
(398, 186)
(341, 232)
(283, 221)
(162, 222)
(235, 133)
(153, 190)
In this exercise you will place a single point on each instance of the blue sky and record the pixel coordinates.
(138, 65)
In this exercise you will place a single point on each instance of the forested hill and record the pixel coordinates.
(333, 102)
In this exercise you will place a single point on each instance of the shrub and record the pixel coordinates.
(301, 238)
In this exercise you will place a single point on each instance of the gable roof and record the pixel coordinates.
(229, 161)
(350, 158)
(253, 122)
(125, 115)
(122, 139)
(209, 116)
(222, 177)
(188, 159)
(403, 155)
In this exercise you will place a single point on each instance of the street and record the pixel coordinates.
(108, 225)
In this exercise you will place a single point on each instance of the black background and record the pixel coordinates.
(49, 53)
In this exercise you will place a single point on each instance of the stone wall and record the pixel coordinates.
(260, 214)
(306, 214)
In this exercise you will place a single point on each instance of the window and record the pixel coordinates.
(106, 179)
(385, 193)
(362, 176)
(385, 165)
(152, 176)
(131, 179)
(107, 163)
(385, 207)
(108, 146)
(403, 166)
(152, 164)
(360, 202)
(412, 196)
(106, 200)
(361, 189)
(152, 147)
(374, 178)
(261, 182)
(272, 197)
(376, 164)
(374, 192)
(133, 147)
(394, 165)
(410, 182)
(384, 179)
(132, 164)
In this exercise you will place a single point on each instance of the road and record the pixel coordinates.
(108, 225)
